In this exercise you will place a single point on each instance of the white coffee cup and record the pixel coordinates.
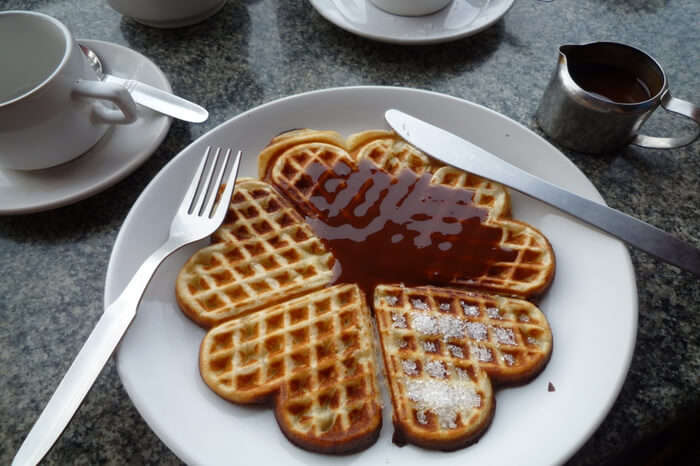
(52, 105)
(167, 13)
(411, 7)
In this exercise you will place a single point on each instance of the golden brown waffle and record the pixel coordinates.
(302, 163)
(530, 272)
(392, 154)
(315, 356)
(262, 254)
(277, 334)
(442, 349)
(389, 152)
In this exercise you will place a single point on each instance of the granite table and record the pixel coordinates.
(52, 264)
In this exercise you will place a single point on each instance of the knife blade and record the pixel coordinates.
(161, 101)
(464, 155)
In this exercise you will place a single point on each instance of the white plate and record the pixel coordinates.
(591, 306)
(459, 19)
(120, 151)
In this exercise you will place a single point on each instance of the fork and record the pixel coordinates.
(197, 217)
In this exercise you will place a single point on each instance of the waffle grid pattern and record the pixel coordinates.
(504, 336)
(301, 172)
(392, 155)
(317, 351)
(263, 252)
(487, 194)
(531, 270)
(455, 342)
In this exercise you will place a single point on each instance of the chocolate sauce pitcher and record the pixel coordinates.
(600, 95)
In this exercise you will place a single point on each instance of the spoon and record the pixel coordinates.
(149, 96)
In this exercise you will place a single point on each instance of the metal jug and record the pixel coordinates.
(601, 93)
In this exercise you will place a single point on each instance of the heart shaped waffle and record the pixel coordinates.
(263, 253)
(443, 349)
(315, 356)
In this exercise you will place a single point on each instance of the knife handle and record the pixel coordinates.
(633, 231)
(464, 155)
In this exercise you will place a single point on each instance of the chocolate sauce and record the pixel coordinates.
(402, 229)
(610, 82)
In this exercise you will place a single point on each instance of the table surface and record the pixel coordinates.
(53, 264)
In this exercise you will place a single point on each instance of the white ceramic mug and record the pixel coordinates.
(411, 7)
(52, 105)
(167, 13)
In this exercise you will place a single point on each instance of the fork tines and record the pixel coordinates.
(211, 174)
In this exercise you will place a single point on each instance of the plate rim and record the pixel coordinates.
(353, 28)
(109, 295)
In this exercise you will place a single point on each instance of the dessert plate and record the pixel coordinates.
(591, 306)
(459, 19)
(120, 151)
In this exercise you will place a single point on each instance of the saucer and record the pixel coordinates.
(120, 151)
(459, 19)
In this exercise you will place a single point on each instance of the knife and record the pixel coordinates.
(462, 154)
(161, 101)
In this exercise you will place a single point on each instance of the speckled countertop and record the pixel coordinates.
(53, 264)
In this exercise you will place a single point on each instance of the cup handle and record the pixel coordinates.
(674, 105)
(112, 92)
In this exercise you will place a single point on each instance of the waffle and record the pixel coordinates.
(281, 330)
(392, 154)
(314, 356)
(443, 351)
(262, 254)
(302, 164)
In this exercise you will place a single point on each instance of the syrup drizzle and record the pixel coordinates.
(386, 229)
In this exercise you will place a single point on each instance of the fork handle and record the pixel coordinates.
(88, 364)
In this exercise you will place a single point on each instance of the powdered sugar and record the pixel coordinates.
(447, 326)
(470, 310)
(442, 398)
(476, 330)
(399, 320)
(409, 367)
(451, 327)
(456, 351)
(391, 300)
(425, 324)
(436, 369)
(505, 336)
(480, 353)
(429, 347)
(418, 303)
